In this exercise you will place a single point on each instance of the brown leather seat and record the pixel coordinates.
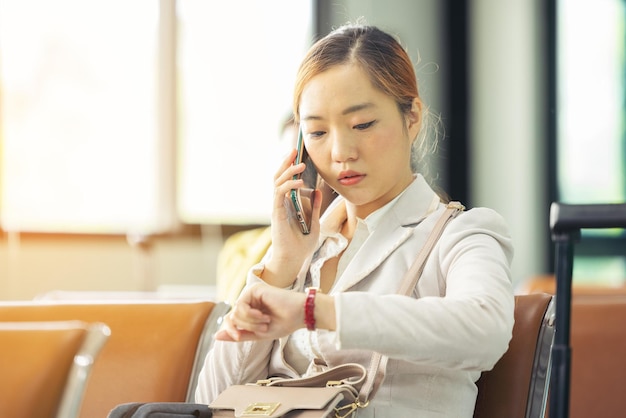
(153, 355)
(517, 386)
(45, 365)
(598, 368)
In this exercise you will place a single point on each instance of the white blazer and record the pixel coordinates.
(457, 324)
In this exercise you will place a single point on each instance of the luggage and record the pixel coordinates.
(566, 221)
(160, 410)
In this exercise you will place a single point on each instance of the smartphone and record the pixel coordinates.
(302, 198)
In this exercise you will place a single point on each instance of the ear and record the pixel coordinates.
(414, 118)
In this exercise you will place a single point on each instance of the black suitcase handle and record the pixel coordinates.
(566, 221)
(565, 218)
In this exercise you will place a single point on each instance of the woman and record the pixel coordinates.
(357, 103)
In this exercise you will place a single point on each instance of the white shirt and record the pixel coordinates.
(303, 345)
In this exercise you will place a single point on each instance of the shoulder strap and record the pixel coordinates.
(414, 273)
(378, 364)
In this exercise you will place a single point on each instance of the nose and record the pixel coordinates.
(344, 147)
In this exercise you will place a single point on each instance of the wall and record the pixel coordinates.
(32, 265)
(507, 123)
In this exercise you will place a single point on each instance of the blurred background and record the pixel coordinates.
(136, 137)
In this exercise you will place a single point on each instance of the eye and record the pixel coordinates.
(316, 134)
(363, 126)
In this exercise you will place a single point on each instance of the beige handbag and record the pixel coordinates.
(327, 394)
(338, 392)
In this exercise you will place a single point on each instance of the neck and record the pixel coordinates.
(348, 227)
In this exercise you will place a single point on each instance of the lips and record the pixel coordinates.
(350, 178)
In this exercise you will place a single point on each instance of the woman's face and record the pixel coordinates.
(357, 137)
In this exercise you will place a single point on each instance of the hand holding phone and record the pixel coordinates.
(303, 198)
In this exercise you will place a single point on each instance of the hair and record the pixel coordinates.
(387, 64)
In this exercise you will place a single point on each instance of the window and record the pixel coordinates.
(121, 117)
(79, 116)
(591, 122)
(592, 77)
(236, 73)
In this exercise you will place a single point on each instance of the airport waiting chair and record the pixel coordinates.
(45, 366)
(154, 354)
(598, 343)
(517, 386)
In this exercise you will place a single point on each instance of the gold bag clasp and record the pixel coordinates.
(261, 409)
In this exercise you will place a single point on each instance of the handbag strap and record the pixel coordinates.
(354, 373)
(378, 364)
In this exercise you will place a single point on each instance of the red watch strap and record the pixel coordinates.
(309, 308)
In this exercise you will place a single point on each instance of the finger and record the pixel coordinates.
(243, 312)
(230, 331)
(286, 163)
(245, 318)
(283, 191)
(237, 335)
(287, 181)
(223, 335)
(287, 169)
